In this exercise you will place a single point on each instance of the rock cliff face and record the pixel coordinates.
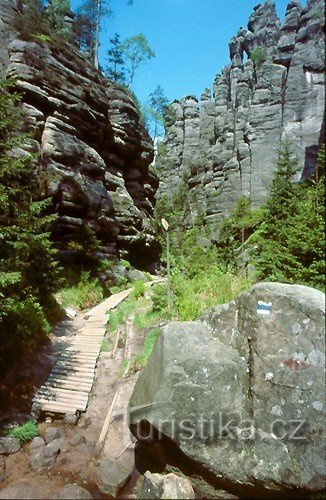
(226, 144)
(94, 152)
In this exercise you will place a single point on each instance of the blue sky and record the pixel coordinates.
(190, 38)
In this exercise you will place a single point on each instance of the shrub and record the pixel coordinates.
(120, 314)
(86, 293)
(258, 56)
(25, 432)
(139, 289)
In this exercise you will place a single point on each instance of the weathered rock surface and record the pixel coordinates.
(2, 468)
(110, 476)
(94, 152)
(9, 445)
(51, 434)
(169, 486)
(72, 492)
(26, 489)
(225, 144)
(36, 443)
(46, 456)
(239, 396)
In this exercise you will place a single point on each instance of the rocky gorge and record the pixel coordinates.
(224, 145)
(94, 153)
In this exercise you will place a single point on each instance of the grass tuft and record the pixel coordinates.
(25, 432)
(86, 293)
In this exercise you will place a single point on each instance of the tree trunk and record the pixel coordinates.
(97, 32)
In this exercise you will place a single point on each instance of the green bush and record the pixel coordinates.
(29, 271)
(25, 432)
(258, 56)
(86, 293)
(139, 289)
(159, 298)
(192, 296)
(119, 315)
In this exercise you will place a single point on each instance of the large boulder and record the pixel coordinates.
(239, 397)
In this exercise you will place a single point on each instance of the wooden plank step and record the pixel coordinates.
(83, 351)
(80, 357)
(71, 364)
(91, 336)
(87, 335)
(73, 371)
(74, 379)
(77, 403)
(59, 396)
(89, 347)
(60, 384)
(57, 407)
(66, 392)
(90, 361)
(86, 340)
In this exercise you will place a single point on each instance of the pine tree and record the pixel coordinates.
(157, 106)
(116, 69)
(290, 243)
(56, 12)
(28, 269)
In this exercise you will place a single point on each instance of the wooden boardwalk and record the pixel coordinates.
(70, 382)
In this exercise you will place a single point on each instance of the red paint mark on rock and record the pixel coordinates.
(296, 365)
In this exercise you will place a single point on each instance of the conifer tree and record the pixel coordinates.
(28, 269)
(290, 243)
(56, 12)
(116, 68)
(157, 106)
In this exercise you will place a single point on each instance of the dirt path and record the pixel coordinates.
(81, 451)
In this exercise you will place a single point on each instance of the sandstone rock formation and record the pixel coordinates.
(239, 397)
(94, 152)
(226, 144)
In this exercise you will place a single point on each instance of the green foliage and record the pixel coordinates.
(86, 293)
(56, 11)
(258, 56)
(193, 295)
(141, 359)
(32, 21)
(290, 244)
(88, 24)
(159, 298)
(122, 369)
(106, 345)
(157, 105)
(139, 289)
(25, 432)
(29, 271)
(172, 205)
(236, 230)
(136, 51)
(119, 315)
(116, 68)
